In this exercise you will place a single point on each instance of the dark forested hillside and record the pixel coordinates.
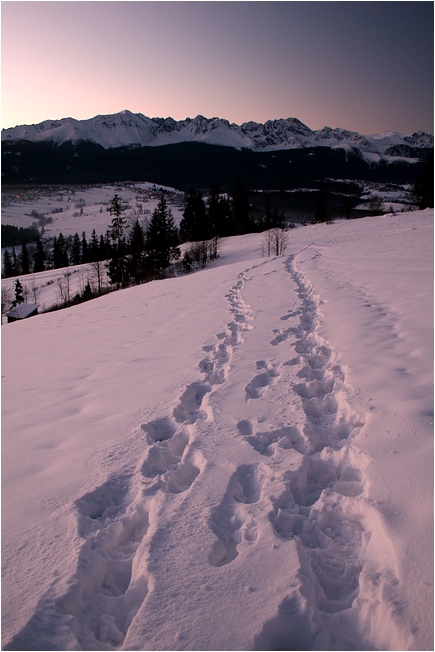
(184, 164)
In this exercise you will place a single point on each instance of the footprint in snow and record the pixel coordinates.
(231, 521)
(256, 388)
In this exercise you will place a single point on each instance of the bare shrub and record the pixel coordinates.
(274, 242)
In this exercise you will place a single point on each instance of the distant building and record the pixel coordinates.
(22, 311)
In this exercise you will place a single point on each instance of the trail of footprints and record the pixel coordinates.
(110, 585)
(312, 507)
(114, 519)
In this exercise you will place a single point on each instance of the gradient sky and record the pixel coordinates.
(364, 66)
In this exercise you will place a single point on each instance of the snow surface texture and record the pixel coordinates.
(239, 459)
(127, 129)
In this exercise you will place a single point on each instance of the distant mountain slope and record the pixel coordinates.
(185, 164)
(127, 129)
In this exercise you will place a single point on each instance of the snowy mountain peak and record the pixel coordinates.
(135, 129)
(420, 139)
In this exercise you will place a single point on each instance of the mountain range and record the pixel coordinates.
(277, 155)
(127, 129)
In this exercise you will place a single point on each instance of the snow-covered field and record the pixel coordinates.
(238, 459)
(72, 209)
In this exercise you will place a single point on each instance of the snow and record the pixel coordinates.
(78, 209)
(237, 459)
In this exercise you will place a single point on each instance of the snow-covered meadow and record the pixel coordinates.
(237, 459)
(70, 209)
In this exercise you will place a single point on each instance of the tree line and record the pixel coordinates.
(60, 252)
(13, 235)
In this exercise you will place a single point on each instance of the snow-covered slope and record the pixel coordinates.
(239, 459)
(134, 129)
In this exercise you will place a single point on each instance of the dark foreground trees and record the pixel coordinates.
(144, 251)
(19, 298)
(424, 191)
(117, 267)
(161, 239)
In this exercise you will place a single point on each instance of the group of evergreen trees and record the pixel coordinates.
(206, 220)
(216, 216)
(61, 252)
(16, 235)
(25, 262)
(142, 252)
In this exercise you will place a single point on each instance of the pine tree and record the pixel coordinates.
(226, 224)
(108, 244)
(117, 267)
(55, 254)
(161, 238)
(76, 250)
(240, 209)
(64, 251)
(7, 265)
(103, 249)
(217, 213)
(85, 249)
(193, 226)
(137, 259)
(24, 260)
(118, 271)
(15, 263)
(94, 247)
(39, 257)
(188, 219)
(18, 293)
(118, 222)
(60, 254)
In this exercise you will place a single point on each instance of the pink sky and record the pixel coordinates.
(357, 65)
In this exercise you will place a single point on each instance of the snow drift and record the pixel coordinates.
(239, 459)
